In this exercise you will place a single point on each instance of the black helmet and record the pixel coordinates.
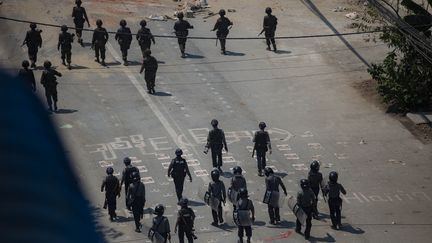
(147, 52)
(127, 161)
(243, 193)
(178, 152)
(222, 12)
(333, 176)
(237, 170)
(268, 171)
(159, 210)
(215, 174)
(143, 23)
(214, 122)
(123, 22)
(78, 2)
(180, 15)
(47, 64)
(183, 202)
(304, 184)
(99, 22)
(135, 176)
(32, 26)
(262, 125)
(268, 10)
(109, 170)
(315, 165)
(25, 64)
(64, 28)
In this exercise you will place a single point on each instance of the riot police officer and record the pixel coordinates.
(315, 178)
(305, 200)
(333, 190)
(160, 223)
(124, 38)
(33, 40)
(127, 175)
(79, 15)
(27, 75)
(216, 188)
(269, 27)
(49, 82)
(272, 185)
(244, 203)
(181, 31)
(144, 37)
(222, 26)
(178, 169)
(150, 65)
(237, 182)
(185, 222)
(216, 141)
(261, 146)
(65, 42)
(112, 188)
(100, 38)
(136, 199)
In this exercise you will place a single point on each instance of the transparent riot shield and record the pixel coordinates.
(242, 217)
(298, 212)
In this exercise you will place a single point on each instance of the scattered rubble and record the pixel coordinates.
(158, 17)
(231, 10)
(352, 15)
(339, 9)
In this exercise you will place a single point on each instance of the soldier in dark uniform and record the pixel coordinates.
(333, 190)
(124, 38)
(178, 169)
(144, 37)
(150, 65)
(33, 40)
(160, 224)
(216, 141)
(65, 42)
(136, 199)
(27, 75)
(49, 82)
(216, 188)
(237, 182)
(80, 17)
(222, 27)
(100, 38)
(315, 178)
(185, 222)
(244, 203)
(272, 184)
(181, 30)
(112, 188)
(127, 175)
(269, 27)
(261, 146)
(305, 199)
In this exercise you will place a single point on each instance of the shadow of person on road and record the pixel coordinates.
(161, 93)
(193, 203)
(65, 111)
(281, 174)
(285, 224)
(78, 67)
(227, 227)
(282, 52)
(195, 56)
(121, 219)
(115, 63)
(134, 63)
(327, 238)
(235, 54)
(227, 174)
(350, 229)
(259, 223)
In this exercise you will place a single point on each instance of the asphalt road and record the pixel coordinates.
(303, 93)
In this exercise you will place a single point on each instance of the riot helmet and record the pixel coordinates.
(99, 23)
(123, 23)
(25, 64)
(47, 64)
(268, 10)
(237, 170)
(78, 2)
(315, 166)
(143, 23)
(109, 170)
(180, 15)
(333, 176)
(222, 12)
(215, 174)
(159, 210)
(135, 176)
(214, 123)
(32, 26)
(127, 161)
(147, 52)
(178, 152)
(262, 125)
(183, 202)
(64, 28)
(243, 193)
(268, 171)
(304, 184)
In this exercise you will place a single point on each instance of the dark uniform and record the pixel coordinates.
(124, 38)
(161, 225)
(221, 26)
(28, 76)
(181, 31)
(315, 178)
(245, 204)
(305, 199)
(216, 188)
(136, 200)
(237, 182)
(144, 37)
(216, 142)
(261, 146)
(80, 17)
(185, 223)
(65, 43)
(333, 190)
(150, 65)
(33, 40)
(272, 184)
(112, 188)
(127, 178)
(269, 27)
(49, 82)
(100, 38)
(178, 169)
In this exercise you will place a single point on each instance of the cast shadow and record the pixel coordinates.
(108, 231)
(286, 224)
(327, 238)
(134, 63)
(227, 174)
(282, 52)
(65, 111)
(78, 67)
(86, 44)
(148, 211)
(235, 54)
(281, 174)
(195, 56)
(227, 227)
(161, 62)
(196, 203)
(259, 223)
(121, 219)
(115, 63)
(350, 229)
(161, 93)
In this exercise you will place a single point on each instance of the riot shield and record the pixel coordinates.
(214, 203)
(274, 199)
(298, 212)
(232, 195)
(242, 217)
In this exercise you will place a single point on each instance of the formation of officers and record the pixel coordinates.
(33, 41)
(304, 207)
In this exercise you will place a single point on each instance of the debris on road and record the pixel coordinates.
(231, 10)
(339, 9)
(352, 15)
(157, 17)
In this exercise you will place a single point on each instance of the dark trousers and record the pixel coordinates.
(273, 213)
(308, 211)
(100, 49)
(79, 25)
(182, 232)
(261, 159)
(144, 46)
(216, 153)
(138, 211)
(112, 205)
(32, 53)
(248, 230)
(125, 194)
(124, 50)
(182, 44)
(315, 206)
(335, 205)
(51, 96)
(217, 215)
(150, 78)
(222, 39)
(270, 38)
(178, 183)
(66, 54)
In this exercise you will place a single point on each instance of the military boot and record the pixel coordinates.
(55, 106)
(274, 47)
(69, 66)
(103, 63)
(63, 62)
